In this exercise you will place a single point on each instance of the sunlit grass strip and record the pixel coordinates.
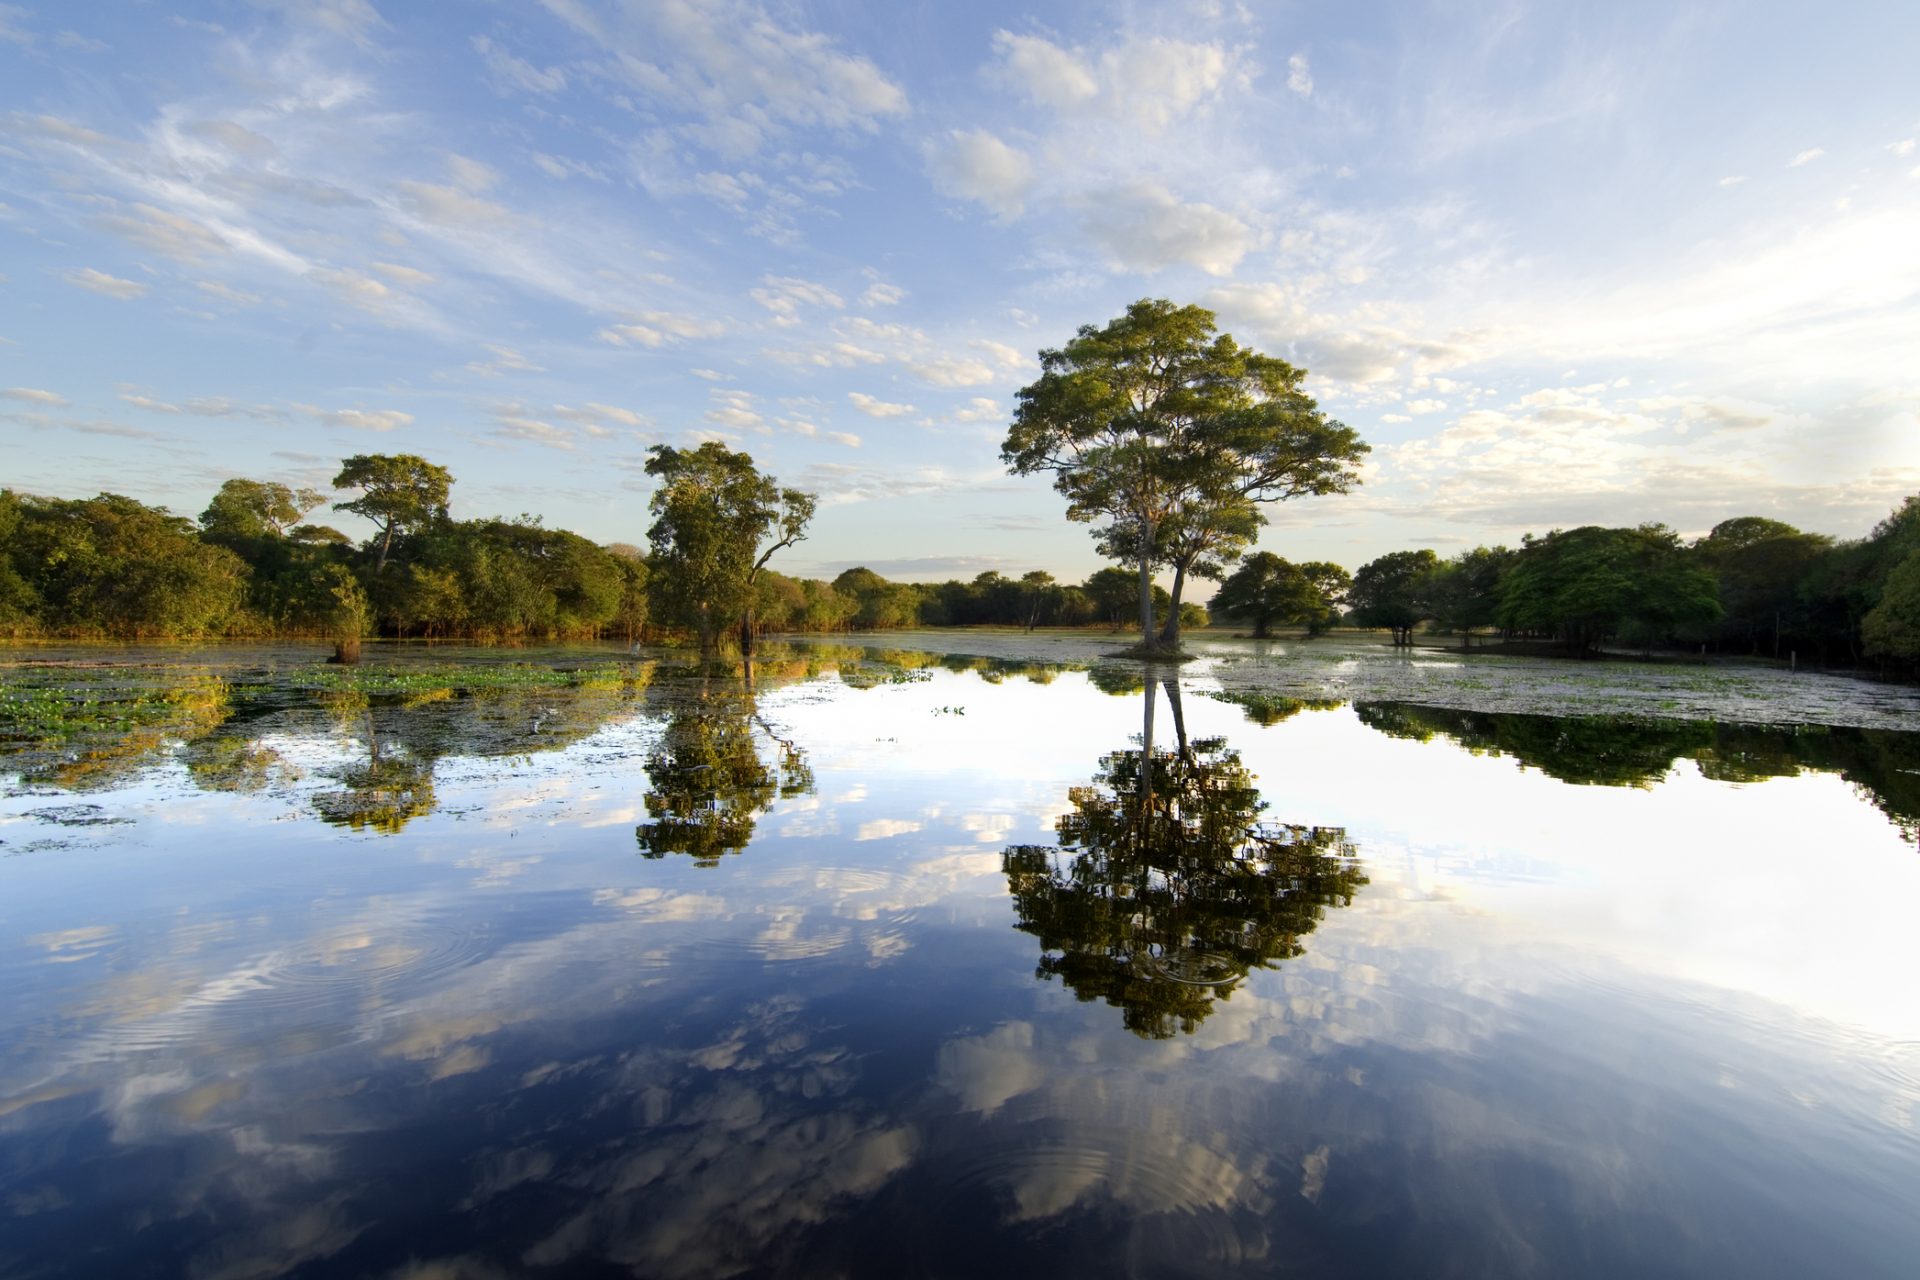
(461, 679)
(52, 713)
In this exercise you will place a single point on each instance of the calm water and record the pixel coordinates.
(888, 969)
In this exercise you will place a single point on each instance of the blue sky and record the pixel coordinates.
(1558, 263)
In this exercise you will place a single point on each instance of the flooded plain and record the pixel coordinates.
(893, 963)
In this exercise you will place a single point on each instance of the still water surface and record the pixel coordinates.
(895, 966)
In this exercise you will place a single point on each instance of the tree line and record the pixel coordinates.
(1752, 586)
(255, 564)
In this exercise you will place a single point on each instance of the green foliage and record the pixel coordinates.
(1386, 592)
(1585, 585)
(399, 493)
(1891, 628)
(111, 566)
(249, 511)
(1462, 593)
(1172, 434)
(1759, 566)
(717, 521)
(708, 780)
(1267, 589)
(1168, 886)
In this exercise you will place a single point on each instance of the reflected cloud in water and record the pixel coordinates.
(240, 1042)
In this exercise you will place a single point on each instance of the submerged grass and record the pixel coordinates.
(469, 678)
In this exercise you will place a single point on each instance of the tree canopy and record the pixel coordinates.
(717, 521)
(1386, 592)
(399, 492)
(1168, 435)
(1267, 589)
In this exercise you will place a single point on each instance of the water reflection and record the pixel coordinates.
(708, 779)
(1615, 752)
(1167, 887)
(480, 1053)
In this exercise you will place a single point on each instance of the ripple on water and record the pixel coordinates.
(1184, 1200)
(321, 984)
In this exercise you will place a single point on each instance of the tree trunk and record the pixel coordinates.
(386, 545)
(1170, 633)
(1146, 585)
(1179, 720)
(746, 634)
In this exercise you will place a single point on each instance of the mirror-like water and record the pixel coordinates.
(903, 964)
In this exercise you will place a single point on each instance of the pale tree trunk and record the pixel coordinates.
(1179, 720)
(1170, 633)
(1144, 817)
(1146, 586)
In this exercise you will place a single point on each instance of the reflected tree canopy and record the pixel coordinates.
(1617, 752)
(1167, 887)
(715, 769)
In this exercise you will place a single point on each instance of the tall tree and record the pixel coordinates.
(246, 511)
(1266, 589)
(1463, 592)
(1587, 584)
(717, 523)
(1171, 434)
(399, 492)
(1386, 592)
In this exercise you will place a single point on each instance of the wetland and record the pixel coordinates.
(953, 951)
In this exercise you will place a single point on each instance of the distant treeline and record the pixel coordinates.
(111, 567)
(1752, 586)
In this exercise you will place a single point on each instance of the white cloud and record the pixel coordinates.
(102, 283)
(846, 438)
(659, 328)
(1146, 82)
(980, 409)
(1904, 147)
(1046, 73)
(505, 360)
(877, 408)
(410, 277)
(509, 71)
(454, 208)
(11, 32)
(1003, 355)
(734, 409)
(1806, 157)
(227, 293)
(735, 67)
(950, 371)
(1418, 407)
(357, 419)
(33, 395)
(1733, 180)
(784, 296)
(1144, 228)
(511, 425)
(975, 165)
(880, 294)
(1300, 75)
(163, 232)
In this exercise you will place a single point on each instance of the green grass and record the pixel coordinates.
(456, 679)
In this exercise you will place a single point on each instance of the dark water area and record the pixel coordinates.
(897, 964)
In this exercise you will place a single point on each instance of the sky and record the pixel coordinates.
(1559, 264)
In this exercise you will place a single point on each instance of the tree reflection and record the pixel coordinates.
(405, 737)
(1605, 751)
(709, 777)
(1167, 888)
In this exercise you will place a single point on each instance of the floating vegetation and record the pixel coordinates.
(442, 681)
